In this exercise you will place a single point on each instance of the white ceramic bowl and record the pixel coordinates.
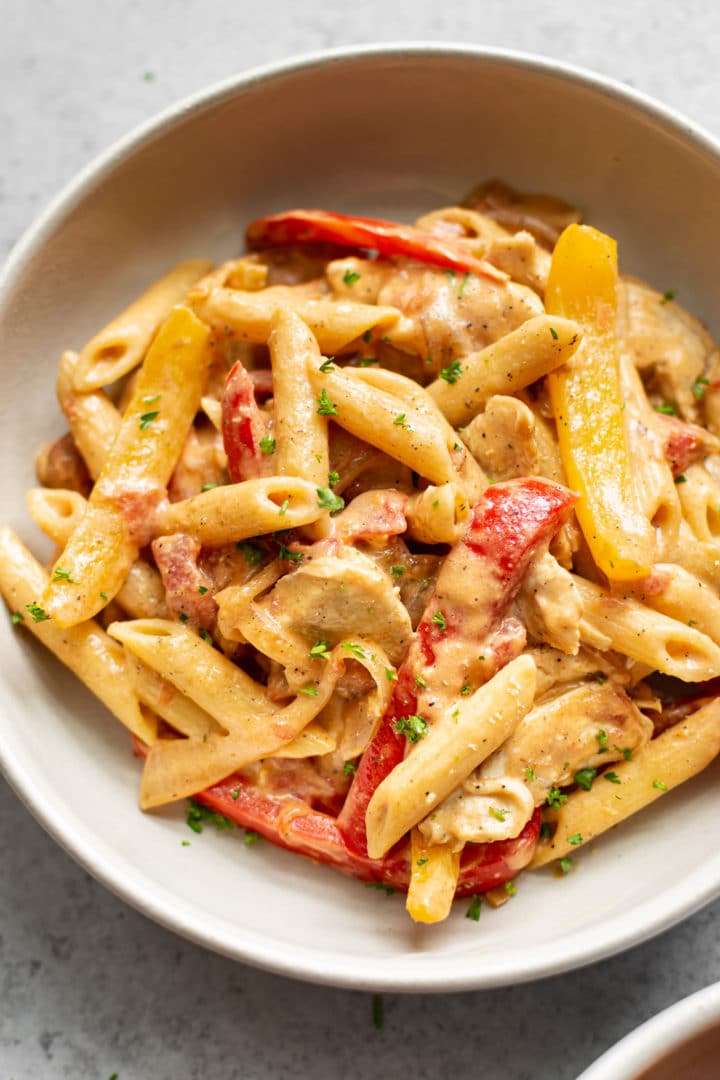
(680, 1043)
(390, 131)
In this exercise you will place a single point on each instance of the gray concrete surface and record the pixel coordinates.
(89, 988)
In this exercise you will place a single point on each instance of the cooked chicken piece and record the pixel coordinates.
(502, 439)
(59, 465)
(523, 259)
(372, 517)
(338, 597)
(555, 668)
(586, 727)
(545, 216)
(663, 338)
(201, 464)
(550, 605)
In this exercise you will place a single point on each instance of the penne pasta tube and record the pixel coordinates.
(142, 593)
(700, 500)
(85, 649)
(176, 708)
(434, 870)
(118, 520)
(675, 592)
(301, 434)
(676, 755)
(249, 315)
(93, 419)
(121, 345)
(57, 511)
(235, 512)
(647, 636)
(448, 754)
(508, 365)
(438, 515)
(409, 434)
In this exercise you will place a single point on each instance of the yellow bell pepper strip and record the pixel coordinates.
(434, 870)
(588, 407)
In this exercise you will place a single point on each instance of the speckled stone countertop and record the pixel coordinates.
(90, 988)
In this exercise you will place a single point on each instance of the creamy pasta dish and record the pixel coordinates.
(381, 539)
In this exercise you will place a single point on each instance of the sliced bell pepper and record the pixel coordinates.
(385, 237)
(242, 426)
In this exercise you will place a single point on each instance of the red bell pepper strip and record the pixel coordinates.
(684, 443)
(242, 426)
(386, 237)
(509, 523)
(290, 823)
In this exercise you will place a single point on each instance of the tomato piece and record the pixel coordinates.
(386, 237)
(684, 443)
(242, 426)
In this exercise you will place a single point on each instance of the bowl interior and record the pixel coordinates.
(387, 133)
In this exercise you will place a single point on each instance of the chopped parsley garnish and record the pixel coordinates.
(328, 500)
(601, 678)
(699, 387)
(355, 650)
(236, 794)
(439, 620)
(452, 372)
(183, 617)
(602, 741)
(473, 912)
(666, 408)
(530, 773)
(390, 674)
(584, 777)
(60, 574)
(575, 839)
(104, 596)
(333, 478)
(462, 287)
(209, 487)
(327, 365)
(205, 635)
(311, 691)
(387, 889)
(350, 277)
(377, 1012)
(368, 361)
(147, 418)
(349, 768)
(553, 333)
(202, 589)
(16, 617)
(414, 728)
(253, 555)
(682, 479)
(466, 690)
(397, 571)
(401, 421)
(325, 405)
(626, 751)
(565, 865)
(421, 862)
(419, 681)
(199, 815)
(283, 508)
(267, 445)
(367, 337)
(668, 295)
(612, 778)
(545, 830)
(320, 650)
(659, 785)
(498, 813)
(510, 888)
(38, 615)
(291, 556)
(555, 798)
(151, 399)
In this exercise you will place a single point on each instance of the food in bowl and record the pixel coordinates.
(382, 531)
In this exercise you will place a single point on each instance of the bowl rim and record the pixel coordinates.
(650, 918)
(666, 1031)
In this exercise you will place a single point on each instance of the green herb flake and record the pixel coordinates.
(38, 615)
(202, 589)
(612, 778)
(666, 408)
(267, 445)
(349, 768)
(368, 361)
(699, 387)
(104, 596)
(283, 509)
(473, 912)
(251, 837)
(253, 555)
(584, 777)
(659, 785)
(452, 372)
(199, 815)
(235, 794)
(565, 865)
(602, 741)
(205, 635)
(60, 574)
(151, 399)
(420, 681)
(510, 888)
(377, 1012)
(355, 650)
(555, 798)
(387, 889)
(16, 617)
(413, 727)
(327, 365)
(530, 774)
(147, 418)
(439, 620)
(466, 690)
(553, 333)
(397, 571)
(291, 556)
(328, 500)
(668, 295)
(401, 421)
(575, 839)
(350, 277)
(602, 679)
(682, 479)
(464, 283)
(390, 674)
(498, 813)
(311, 691)
(148, 76)
(626, 751)
(183, 617)
(325, 405)
(421, 862)
(209, 487)
(333, 478)
(546, 830)
(320, 650)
